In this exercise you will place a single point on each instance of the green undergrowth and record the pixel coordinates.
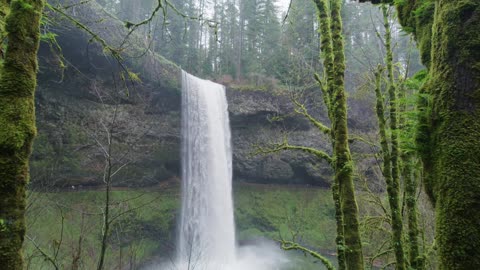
(145, 227)
(141, 228)
(277, 212)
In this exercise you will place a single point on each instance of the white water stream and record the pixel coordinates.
(207, 231)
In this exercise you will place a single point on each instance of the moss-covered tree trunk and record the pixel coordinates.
(450, 133)
(387, 172)
(343, 160)
(452, 156)
(447, 32)
(17, 122)
(328, 63)
(350, 254)
(410, 175)
(393, 181)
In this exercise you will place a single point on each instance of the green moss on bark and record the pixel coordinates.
(411, 174)
(393, 182)
(4, 10)
(451, 154)
(387, 174)
(349, 245)
(416, 16)
(328, 63)
(453, 161)
(343, 163)
(350, 255)
(17, 119)
(448, 36)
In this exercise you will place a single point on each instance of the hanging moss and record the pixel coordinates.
(17, 119)
(417, 17)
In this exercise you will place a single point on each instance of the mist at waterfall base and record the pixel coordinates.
(206, 232)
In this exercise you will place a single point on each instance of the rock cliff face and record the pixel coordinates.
(77, 110)
(85, 99)
(253, 119)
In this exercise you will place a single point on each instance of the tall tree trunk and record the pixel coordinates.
(343, 158)
(327, 55)
(334, 62)
(452, 160)
(450, 128)
(410, 174)
(393, 182)
(17, 122)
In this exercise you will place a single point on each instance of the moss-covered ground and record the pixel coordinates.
(144, 227)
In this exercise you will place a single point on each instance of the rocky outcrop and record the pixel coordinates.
(74, 116)
(84, 96)
(258, 118)
(76, 112)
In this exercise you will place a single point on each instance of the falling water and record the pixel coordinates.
(207, 231)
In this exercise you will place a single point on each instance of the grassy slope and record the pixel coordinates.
(274, 211)
(147, 228)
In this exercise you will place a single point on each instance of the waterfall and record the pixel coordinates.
(206, 229)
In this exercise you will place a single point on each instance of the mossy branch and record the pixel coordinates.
(302, 110)
(284, 146)
(324, 17)
(380, 254)
(288, 245)
(354, 138)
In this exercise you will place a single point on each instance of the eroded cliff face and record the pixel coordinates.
(79, 106)
(258, 118)
(76, 110)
